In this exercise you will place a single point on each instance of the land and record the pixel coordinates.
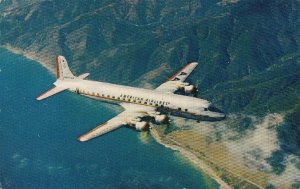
(249, 58)
(213, 158)
(197, 161)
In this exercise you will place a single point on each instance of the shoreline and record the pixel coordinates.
(200, 164)
(29, 55)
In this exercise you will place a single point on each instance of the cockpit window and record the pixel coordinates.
(212, 108)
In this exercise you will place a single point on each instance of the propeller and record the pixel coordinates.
(195, 92)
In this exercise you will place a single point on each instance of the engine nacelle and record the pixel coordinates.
(189, 89)
(141, 126)
(185, 84)
(160, 118)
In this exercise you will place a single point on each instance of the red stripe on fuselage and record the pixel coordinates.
(57, 67)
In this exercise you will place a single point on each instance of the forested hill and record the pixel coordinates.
(248, 50)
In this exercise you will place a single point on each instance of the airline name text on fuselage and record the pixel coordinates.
(159, 102)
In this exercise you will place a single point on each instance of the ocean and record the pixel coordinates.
(39, 150)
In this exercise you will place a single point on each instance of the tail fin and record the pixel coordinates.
(62, 69)
(62, 72)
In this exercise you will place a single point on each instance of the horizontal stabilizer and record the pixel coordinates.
(82, 76)
(51, 92)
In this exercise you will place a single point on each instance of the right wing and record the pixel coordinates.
(106, 127)
(131, 115)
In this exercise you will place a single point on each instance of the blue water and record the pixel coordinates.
(38, 146)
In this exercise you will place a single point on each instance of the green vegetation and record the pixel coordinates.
(289, 132)
(248, 51)
(270, 186)
(277, 161)
(296, 185)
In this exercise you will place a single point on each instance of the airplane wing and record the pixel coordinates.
(132, 114)
(176, 81)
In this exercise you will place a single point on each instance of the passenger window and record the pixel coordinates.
(179, 109)
(205, 109)
(186, 110)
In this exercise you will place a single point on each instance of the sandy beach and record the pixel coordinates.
(191, 157)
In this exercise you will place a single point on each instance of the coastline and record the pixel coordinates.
(200, 164)
(31, 56)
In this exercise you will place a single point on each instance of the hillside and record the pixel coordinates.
(248, 50)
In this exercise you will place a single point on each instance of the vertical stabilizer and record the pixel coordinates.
(62, 69)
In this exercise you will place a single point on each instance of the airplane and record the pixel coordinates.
(141, 106)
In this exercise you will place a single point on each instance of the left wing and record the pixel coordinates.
(132, 115)
(177, 80)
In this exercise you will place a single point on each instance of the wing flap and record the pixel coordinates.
(168, 87)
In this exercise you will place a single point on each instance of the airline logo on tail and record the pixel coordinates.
(62, 69)
(62, 73)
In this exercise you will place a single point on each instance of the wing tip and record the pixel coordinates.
(41, 97)
(193, 62)
(81, 139)
(38, 98)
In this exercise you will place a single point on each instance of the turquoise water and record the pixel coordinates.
(38, 146)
